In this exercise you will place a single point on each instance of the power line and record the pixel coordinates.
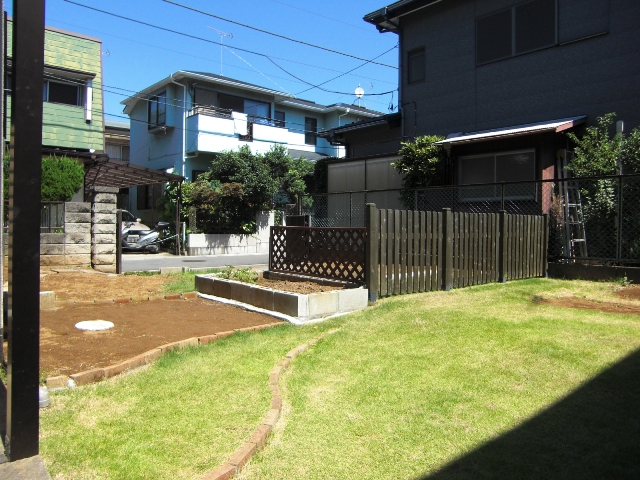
(195, 37)
(209, 60)
(328, 18)
(265, 76)
(345, 73)
(324, 89)
(276, 34)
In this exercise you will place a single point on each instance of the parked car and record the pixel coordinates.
(136, 226)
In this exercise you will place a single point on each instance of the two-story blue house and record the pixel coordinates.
(179, 123)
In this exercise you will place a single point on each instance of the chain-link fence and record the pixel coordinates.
(595, 219)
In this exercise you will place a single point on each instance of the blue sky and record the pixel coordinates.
(136, 56)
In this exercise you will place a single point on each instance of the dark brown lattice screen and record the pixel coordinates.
(334, 253)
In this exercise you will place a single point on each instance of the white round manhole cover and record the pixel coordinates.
(94, 325)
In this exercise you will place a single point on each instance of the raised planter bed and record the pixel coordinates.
(302, 307)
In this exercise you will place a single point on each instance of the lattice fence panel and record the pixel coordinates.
(332, 253)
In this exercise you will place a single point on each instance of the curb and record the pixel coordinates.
(257, 441)
(98, 374)
(123, 300)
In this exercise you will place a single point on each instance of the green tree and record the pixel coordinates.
(601, 152)
(422, 162)
(62, 177)
(247, 169)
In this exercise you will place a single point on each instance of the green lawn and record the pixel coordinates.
(483, 375)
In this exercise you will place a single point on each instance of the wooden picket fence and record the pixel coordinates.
(411, 251)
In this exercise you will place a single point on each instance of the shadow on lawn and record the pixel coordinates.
(593, 433)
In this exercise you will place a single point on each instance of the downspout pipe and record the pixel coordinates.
(184, 123)
(184, 143)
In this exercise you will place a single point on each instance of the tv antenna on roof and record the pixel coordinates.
(222, 35)
(359, 93)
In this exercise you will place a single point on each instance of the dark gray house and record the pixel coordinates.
(502, 79)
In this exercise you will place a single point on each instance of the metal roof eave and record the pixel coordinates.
(330, 108)
(182, 74)
(555, 126)
(386, 18)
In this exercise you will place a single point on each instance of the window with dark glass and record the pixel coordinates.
(523, 28)
(256, 110)
(231, 102)
(203, 96)
(196, 173)
(158, 110)
(494, 37)
(65, 93)
(535, 23)
(310, 130)
(416, 66)
(279, 119)
(516, 166)
(147, 195)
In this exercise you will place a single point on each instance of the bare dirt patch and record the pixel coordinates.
(631, 292)
(139, 327)
(584, 304)
(295, 287)
(89, 286)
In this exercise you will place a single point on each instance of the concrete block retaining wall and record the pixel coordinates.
(89, 236)
(302, 307)
(73, 247)
(220, 244)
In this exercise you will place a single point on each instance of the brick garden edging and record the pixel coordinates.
(121, 300)
(239, 458)
(97, 374)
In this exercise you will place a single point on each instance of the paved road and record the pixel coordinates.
(132, 262)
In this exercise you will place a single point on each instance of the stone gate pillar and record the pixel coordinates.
(103, 229)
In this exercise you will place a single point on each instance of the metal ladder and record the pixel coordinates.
(575, 238)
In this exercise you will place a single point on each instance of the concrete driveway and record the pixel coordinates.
(132, 262)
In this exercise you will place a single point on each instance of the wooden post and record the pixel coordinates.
(545, 251)
(371, 251)
(271, 229)
(24, 230)
(118, 241)
(447, 249)
(178, 224)
(502, 249)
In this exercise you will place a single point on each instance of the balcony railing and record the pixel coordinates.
(210, 111)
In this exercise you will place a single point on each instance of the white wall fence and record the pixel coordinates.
(221, 244)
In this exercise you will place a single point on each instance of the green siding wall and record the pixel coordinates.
(64, 125)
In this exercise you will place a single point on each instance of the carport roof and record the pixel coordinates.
(557, 126)
(107, 172)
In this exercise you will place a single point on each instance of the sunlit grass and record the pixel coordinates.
(418, 381)
(403, 388)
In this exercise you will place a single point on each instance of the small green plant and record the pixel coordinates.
(141, 274)
(623, 281)
(245, 275)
